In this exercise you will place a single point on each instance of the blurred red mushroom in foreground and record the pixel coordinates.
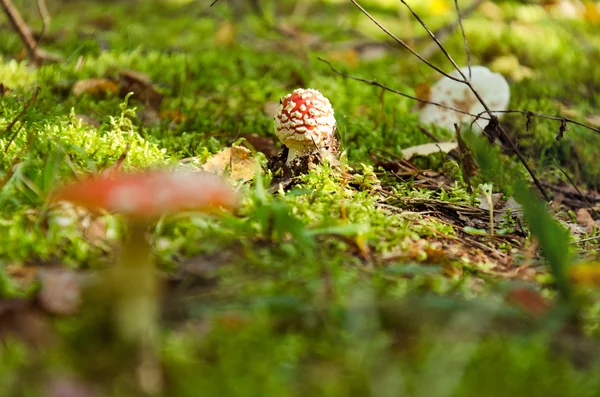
(151, 194)
(132, 285)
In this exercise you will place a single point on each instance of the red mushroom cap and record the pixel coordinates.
(305, 121)
(151, 193)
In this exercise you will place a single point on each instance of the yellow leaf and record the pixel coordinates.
(236, 161)
(591, 13)
(586, 274)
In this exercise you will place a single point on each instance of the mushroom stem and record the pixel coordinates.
(135, 285)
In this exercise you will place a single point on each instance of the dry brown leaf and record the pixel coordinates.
(529, 300)
(96, 87)
(585, 220)
(142, 88)
(236, 161)
(429, 148)
(261, 144)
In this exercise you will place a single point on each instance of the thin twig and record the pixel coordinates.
(576, 188)
(543, 116)
(383, 86)
(464, 80)
(464, 35)
(402, 43)
(213, 3)
(45, 15)
(37, 55)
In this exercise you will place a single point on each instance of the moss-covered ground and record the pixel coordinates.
(379, 280)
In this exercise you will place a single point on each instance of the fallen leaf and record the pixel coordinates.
(95, 87)
(586, 274)
(585, 220)
(60, 291)
(236, 161)
(261, 144)
(142, 88)
(529, 300)
(429, 148)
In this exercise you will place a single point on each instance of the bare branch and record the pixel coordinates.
(414, 98)
(493, 119)
(466, 43)
(543, 116)
(402, 43)
(37, 55)
(45, 15)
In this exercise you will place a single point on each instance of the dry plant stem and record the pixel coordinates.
(464, 35)
(45, 14)
(36, 55)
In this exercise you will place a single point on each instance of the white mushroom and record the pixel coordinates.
(492, 87)
(304, 122)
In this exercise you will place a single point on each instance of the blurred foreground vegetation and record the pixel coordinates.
(373, 281)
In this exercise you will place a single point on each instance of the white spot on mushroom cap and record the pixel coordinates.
(492, 87)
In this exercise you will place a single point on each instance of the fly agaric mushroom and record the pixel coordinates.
(492, 87)
(132, 284)
(151, 194)
(304, 122)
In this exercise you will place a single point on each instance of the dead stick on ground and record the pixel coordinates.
(37, 55)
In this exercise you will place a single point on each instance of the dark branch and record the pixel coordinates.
(464, 35)
(378, 84)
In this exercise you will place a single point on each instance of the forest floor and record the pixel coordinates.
(382, 275)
